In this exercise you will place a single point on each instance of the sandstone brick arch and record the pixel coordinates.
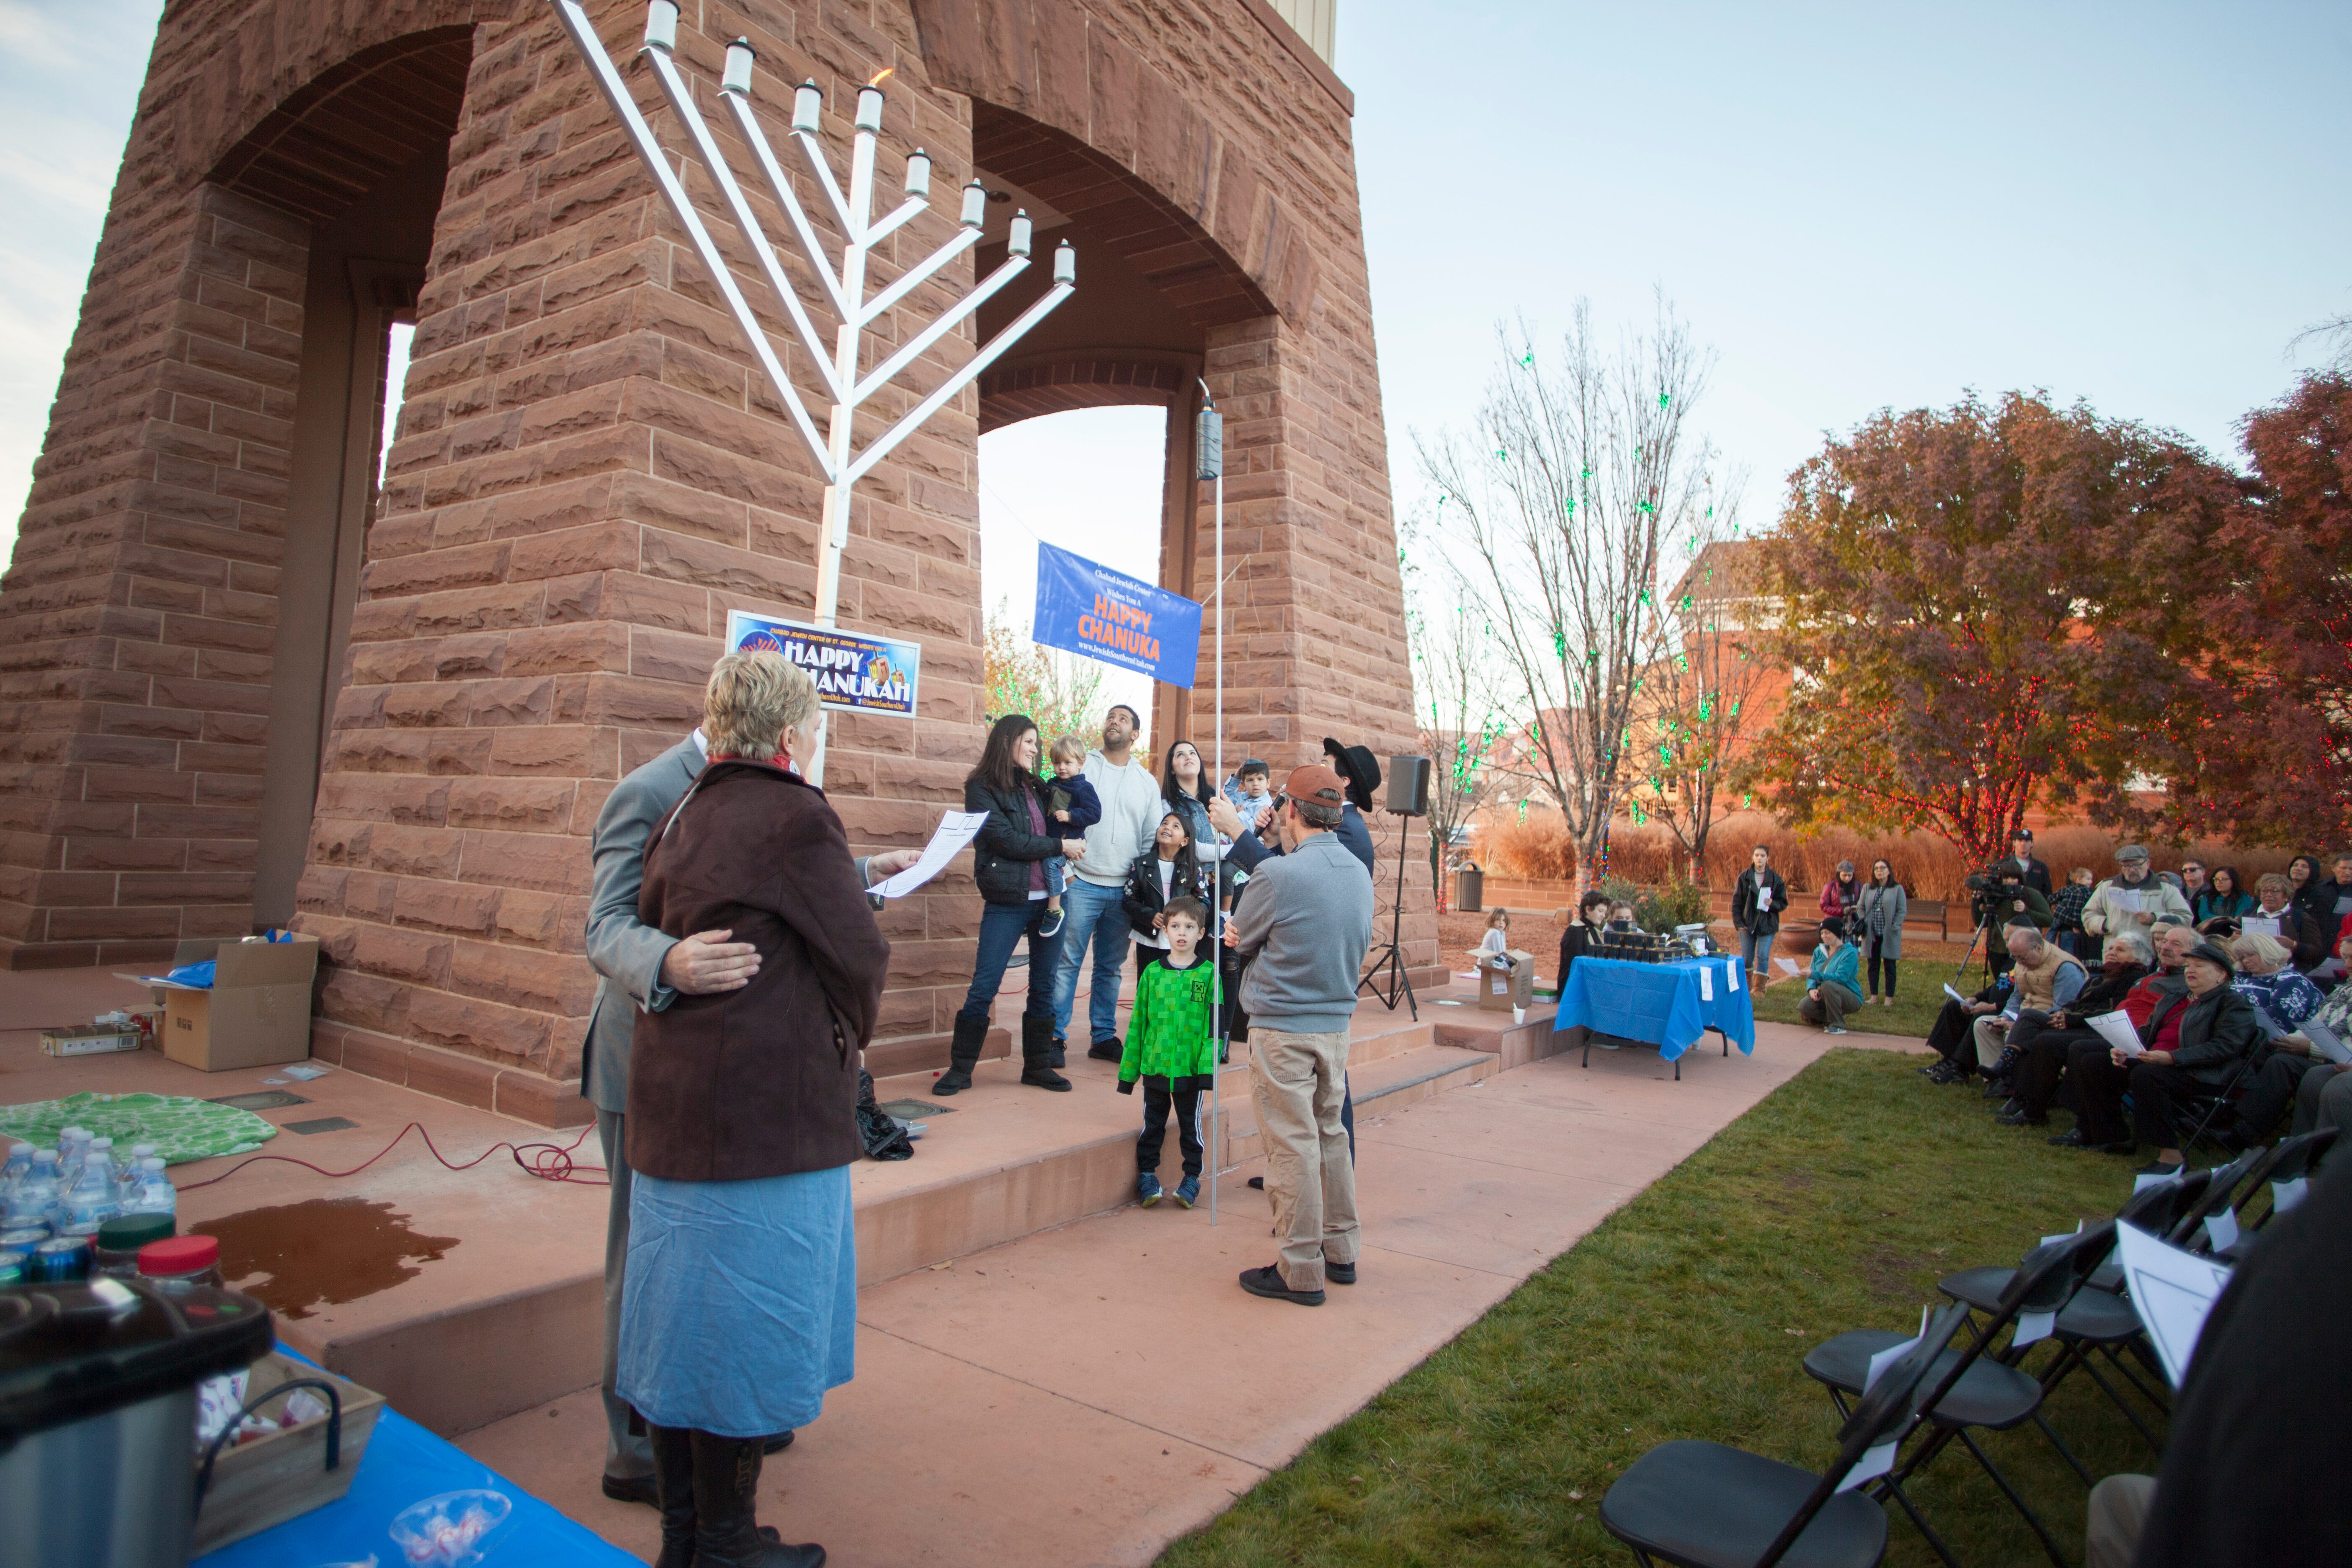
(589, 474)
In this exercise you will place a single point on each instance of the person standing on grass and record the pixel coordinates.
(1841, 895)
(1093, 902)
(1830, 992)
(1884, 907)
(1307, 923)
(2035, 874)
(1758, 899)
(2066, 914)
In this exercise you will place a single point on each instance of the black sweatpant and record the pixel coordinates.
(1156, 1105)
(2161, 1100)
(1876, 962)
(1953, 1038)
(2044, 1068)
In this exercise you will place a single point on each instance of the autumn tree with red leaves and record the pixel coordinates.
(2260, 750)
(1986, 608)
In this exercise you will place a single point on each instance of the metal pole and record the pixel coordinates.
(1211, 465)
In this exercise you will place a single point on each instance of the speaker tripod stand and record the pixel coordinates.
(1391, 957)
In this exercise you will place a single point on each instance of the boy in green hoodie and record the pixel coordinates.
(1171, 1046)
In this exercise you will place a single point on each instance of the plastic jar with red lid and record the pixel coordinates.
(181, 1260)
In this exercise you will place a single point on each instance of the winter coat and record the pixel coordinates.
(2219, 1029)
(2066, 908)
(2103, 916)
(1171, 1039)
(1839, 900)
(2211, 905)
(1744, 913)
(1840, 968)
(1884, 910)
(1008, 847)
(1579, 941)
(1143, 900)
(760, 1081)
(2005, 899)
(2105, 994)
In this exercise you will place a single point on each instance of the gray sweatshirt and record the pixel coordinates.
(1308, 918)
(1131, 809)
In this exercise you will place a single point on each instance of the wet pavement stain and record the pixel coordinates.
(296, 1257)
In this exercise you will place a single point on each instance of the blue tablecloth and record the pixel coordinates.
(1658, 1001)
(405, 1465)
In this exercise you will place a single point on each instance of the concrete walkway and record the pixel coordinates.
(1085, 1394)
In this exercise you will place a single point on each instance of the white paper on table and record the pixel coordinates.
(2327, 1043)
(1955, 995)
(1730, 974)
(1788, 965)
(2172, 1291)
(2284, 1195)
(2259, 925)
(957, 829)
(2222, 1228)
(1706, 983)
(2117, 1029)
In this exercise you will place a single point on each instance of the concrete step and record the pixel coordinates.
(1387, 1085)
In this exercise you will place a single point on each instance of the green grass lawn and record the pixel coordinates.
(1835, 1204)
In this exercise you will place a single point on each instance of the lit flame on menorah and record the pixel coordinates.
(843, 288)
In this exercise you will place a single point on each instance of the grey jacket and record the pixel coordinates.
(1883, 912)
(1308, 918)
(627, 953)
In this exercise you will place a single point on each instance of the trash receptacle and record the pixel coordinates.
(1469, 890)
(97, 1415)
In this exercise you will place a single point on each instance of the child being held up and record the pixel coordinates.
(1251, 791)
(1171, 1046)
(1072, 802)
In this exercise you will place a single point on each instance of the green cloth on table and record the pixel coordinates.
(182, 1129)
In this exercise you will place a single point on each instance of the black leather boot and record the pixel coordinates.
(1036, 1053)
(726, 1496)
(674, 1494)
(963, 1054)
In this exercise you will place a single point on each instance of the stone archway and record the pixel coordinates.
(588, 475)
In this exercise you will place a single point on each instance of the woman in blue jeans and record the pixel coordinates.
(1009, 858)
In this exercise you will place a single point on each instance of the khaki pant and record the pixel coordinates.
(1829, 1005)
(1297, 1084)
(2117, 1518)
(1991, 1032)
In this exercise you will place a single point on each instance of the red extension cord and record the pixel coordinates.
(548, 1161)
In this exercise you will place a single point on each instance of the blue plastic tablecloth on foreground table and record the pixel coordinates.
(1661, 1002)
(405, 1465)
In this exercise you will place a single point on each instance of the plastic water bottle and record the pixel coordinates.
(73, 1147)
(155, 1192)
(20, 1160)
(92, 1200)
(139, 1154)
(34, 1200)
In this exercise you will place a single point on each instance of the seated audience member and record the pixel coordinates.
(2323, 1098)
(2332, 902)
(2306, 944)
(2133, 899)
(2304, 876)
(2189, 880)
(2195, 1043)
(1952, 1037)
(2042, 980)
(2267, 1380)
(2096, 1079)
(2284, 996)
(2225, 899)
(1833, 988)
(2042, 1048)
(2066, 914)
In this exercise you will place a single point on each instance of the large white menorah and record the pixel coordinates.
(844, 289)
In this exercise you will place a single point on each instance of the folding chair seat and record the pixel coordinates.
(2218, 1102)
(2292, 1159)
(1706, 1505)
(2156, 1209)
(1970, 1389)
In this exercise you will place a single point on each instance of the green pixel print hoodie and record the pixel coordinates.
(1172, 1040)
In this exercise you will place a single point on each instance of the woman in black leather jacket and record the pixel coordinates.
(1009, 858)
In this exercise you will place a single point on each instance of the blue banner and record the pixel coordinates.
(1088, 609)
(853, 673)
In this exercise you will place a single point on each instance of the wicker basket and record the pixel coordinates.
(270, 1479)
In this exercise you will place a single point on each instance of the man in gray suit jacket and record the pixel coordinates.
(643, 968)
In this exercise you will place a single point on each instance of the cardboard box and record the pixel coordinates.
(1507, 981)
(91, 1040)
(257, 1012)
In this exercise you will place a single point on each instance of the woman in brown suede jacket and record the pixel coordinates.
(740, 1303)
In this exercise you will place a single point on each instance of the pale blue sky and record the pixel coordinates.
(2137, 203)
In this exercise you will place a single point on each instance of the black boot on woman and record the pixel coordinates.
(963, 1054)
(1036, 1051)
(674, 1494)
(726, 1497)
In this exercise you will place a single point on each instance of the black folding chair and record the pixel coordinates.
(2289, 1160)
(1971, 1388)
(2223, 1189)
(2216, 1102)
(1706, 1505)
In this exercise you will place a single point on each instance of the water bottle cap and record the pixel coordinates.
(150, 1164)
(24, 1150)
(180, 1255)
(102, 1143)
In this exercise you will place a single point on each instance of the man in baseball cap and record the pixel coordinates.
(1305, 923)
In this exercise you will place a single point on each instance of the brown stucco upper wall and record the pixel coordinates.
(1167, 93)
